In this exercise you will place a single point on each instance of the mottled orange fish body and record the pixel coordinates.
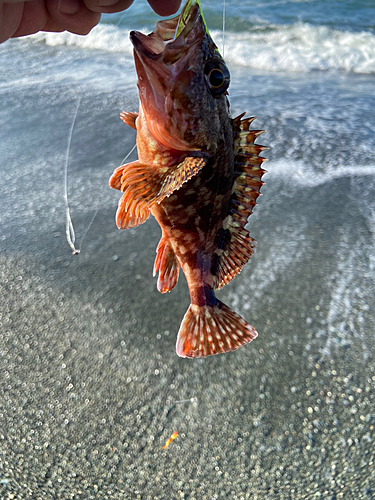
(198, 173)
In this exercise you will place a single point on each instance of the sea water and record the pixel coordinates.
(294, 410)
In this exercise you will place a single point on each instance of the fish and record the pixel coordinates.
(199, 173)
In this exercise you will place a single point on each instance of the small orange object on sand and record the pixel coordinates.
(174, 435)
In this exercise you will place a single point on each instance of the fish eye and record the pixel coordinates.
(217, 76)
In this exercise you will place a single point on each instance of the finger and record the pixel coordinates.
(16, 1)
(108, 6)
(10, 19)
(165, 7)
(72, 15)
(34, 18)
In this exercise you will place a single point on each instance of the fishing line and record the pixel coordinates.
(87, 230)
(130, 152)
(69, 229)
(191, 400)
(223, 27)
(121, 19)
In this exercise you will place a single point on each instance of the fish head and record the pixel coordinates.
(182, 82)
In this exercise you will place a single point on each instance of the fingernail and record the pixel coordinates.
(69, 7)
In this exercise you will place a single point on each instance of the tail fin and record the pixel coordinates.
(207, 330)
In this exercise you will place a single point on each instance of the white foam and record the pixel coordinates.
(301, 47)
(298, 47)
(103, 37)
(303, 175)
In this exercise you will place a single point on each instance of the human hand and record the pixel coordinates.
(20, 17)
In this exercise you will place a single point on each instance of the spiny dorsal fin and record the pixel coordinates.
(129, 118)
(144, 185)
(236, 245)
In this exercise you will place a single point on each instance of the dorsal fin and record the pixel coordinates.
(236, 245)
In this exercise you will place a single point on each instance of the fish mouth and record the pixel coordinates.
(164, 60)
(173, 38)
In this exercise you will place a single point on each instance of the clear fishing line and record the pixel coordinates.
(69, 228)
(223, 27)
(130, 152)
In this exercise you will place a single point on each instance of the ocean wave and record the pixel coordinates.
(301, 174)
(298, 47)
(301, 47)
(104, 37)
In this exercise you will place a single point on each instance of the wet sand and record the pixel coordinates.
(92, 388)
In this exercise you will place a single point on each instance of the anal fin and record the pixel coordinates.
(238, 249)
(144, 185)
(168, 266)
(207, 330)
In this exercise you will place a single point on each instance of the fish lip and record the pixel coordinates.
(141, 48)
(163, 46)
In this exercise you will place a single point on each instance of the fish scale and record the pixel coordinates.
(198, 173)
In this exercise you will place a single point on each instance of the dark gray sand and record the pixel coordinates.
(91, 387)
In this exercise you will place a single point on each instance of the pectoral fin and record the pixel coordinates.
(144, 185)
(129, 118)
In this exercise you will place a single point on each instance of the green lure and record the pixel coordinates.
(185, 15)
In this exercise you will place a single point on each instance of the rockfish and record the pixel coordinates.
(198, 173)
